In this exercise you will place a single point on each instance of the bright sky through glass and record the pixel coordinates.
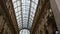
(25, 11)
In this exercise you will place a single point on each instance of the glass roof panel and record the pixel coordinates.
(25, 11)
(24, 31)
(25, 24)
(18, 3)
(36, 1)
(30, 24)
(15, 5)
(13, 0)
(18, 8)
(18, 14)
(20, 26)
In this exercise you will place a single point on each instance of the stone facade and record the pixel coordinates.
(44, 19)
(8, 22)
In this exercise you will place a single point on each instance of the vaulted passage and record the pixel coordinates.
(29, 16)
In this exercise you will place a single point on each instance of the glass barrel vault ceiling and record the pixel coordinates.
(25, 11)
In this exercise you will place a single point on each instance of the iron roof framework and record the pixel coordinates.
(25, 11)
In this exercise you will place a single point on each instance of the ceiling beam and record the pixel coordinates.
(29, 13)
(21, 13)
(24, 28)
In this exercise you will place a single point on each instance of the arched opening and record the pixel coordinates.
(24, 31)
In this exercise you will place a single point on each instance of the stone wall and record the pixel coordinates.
(8, 22)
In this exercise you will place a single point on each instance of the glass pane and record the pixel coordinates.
(19, 20)
(18, 14)
(13, 1)
(24, 31)
(18, 17)
(24, 24)
(30, 24)
(32, 9)
(15, 4)
(20, 25)
(33, 4)
(19, 8)
(18, 3)
(36, 1)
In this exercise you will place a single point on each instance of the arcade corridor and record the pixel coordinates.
(29, 17)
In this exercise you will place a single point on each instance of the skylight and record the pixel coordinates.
(25, 11)
(24, 31)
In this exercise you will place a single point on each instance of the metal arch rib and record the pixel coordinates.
(29, 13)
(21, 13)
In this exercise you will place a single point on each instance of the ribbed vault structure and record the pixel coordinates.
(25, 11)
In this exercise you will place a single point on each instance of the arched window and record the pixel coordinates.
(24, 31)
